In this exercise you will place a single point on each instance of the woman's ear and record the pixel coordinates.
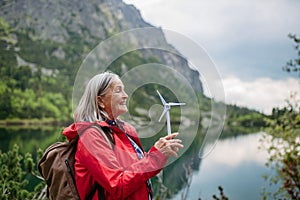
(100, 102)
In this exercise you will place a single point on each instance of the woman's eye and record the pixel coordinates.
(117, 90)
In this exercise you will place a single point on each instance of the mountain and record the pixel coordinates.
(83, 25)
(44, 43)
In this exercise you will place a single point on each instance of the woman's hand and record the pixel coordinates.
(168, 145)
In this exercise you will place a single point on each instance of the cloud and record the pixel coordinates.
(235, 33)
(262, 94)
(224, 23)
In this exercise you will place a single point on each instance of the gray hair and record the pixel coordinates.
(88, 108)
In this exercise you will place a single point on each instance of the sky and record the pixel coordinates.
(247, 41)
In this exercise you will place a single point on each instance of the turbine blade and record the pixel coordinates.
(176, 104)
(161, 98)
(164, 112)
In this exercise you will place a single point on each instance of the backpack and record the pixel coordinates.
(57, 168)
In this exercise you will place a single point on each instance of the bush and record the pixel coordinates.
(283, 146)
(13, 176)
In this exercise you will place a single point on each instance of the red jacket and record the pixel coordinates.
(117, 170)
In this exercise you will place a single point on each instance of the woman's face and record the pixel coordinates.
(114, 101)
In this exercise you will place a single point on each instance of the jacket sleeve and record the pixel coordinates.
(99, 158)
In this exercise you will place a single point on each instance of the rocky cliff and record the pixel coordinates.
(70, 29)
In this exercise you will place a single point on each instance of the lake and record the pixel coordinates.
(234, 163)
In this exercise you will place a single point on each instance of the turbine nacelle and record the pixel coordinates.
(167, 107)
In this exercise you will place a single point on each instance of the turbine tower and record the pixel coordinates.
(167, 107)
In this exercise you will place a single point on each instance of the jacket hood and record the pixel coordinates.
(74, 129)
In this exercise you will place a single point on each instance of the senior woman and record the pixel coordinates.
(115, 160)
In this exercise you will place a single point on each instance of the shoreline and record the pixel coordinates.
(31, 122)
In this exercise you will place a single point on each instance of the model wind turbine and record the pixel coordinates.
(167, 107)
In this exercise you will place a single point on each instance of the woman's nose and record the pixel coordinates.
(125, 95)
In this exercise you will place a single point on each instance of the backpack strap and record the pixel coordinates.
(106, 134)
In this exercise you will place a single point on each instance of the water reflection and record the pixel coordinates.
(28, 139)
(236, 164)
(235, 151)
